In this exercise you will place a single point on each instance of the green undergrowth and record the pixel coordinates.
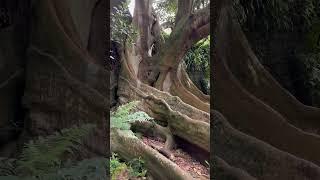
(121, 119)
(125, 115)
(42, 159)
(132, 169)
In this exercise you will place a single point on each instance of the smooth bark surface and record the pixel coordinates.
(272, 124)
(160, 82)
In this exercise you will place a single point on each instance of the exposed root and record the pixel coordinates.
(190, 86)
(257, 157)
(223, 171)
(185, 115)
(167, 148)
(250, 114)
(157, 130)
(160, 167)
(254, 117)
(164, 107)
(234, 49)
(182, 159)
(138, 91)
(178, 89)
(193, 131)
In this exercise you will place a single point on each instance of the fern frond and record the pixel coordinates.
(123, 116)
(93, 169)
(7, 166)
(43, 155)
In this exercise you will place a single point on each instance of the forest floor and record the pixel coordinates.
(184, 160)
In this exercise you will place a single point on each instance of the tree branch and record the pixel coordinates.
(188, 30)
(184, 8)
(200, 24)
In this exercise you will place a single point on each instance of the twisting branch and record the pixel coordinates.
(188, 30)
(200, 24)
(184, 8)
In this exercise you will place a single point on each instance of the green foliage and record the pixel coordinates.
(166, 10)
(198, 4)
(122, 29)
(121, 119)
(135, 167)
(41, 159)
(44, 155)
(93, 169)
(7, 166)
(277, 14)
(124, 115)
(271, 13)
(312, 65)
(116, 166)
(165, 36)
(198, 57)
(313, 37)
(197, 61)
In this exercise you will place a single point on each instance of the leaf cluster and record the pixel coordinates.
(135, 167)
(124, 116)
(166, 10)
(41, 159)
(44, 154)
(122, 29)
(198, 57)
(312, 68)
(275, 15)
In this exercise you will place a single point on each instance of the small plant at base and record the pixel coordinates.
(43, 155)
(137, 168)
(134, 168)
(124, 115)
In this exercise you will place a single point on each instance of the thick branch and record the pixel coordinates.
(190, 28)
(201, 24)
(202, 32)
(187, 31)
(184, 8)
(141, 19)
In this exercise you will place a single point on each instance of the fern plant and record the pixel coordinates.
(134, 168)
(93, 169)
(121, 119)
(116, 167)
(124, 116)
(41, 159)
(44, 155)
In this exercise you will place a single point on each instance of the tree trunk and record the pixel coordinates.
(254, 103)
(63, 82)
(162, 85)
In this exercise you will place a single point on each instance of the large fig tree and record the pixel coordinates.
(153, 72)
